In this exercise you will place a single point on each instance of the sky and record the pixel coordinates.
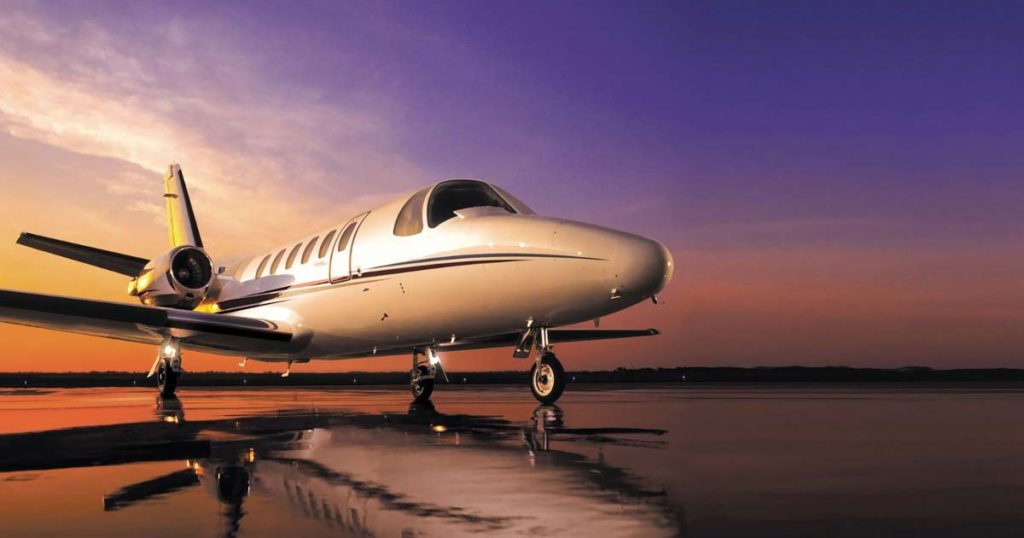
(840, 183)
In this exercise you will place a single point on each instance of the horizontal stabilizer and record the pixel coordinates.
(104, 259)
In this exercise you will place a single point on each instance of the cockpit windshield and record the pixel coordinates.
(451, 196)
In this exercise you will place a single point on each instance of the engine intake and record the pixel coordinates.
(182, 278)
(191, 268)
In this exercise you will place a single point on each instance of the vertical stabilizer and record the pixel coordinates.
(181, 221)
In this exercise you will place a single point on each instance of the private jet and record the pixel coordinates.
(458, 265)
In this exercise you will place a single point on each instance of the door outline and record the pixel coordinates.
(335, 273)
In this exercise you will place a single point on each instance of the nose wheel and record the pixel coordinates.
(547, 379)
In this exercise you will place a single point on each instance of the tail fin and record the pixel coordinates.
(104, 259)
(181, 221)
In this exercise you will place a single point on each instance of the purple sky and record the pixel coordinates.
(840, 182)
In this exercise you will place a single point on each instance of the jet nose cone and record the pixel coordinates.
(667, 265)
(645, 267)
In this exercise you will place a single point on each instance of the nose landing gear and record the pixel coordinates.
(547, 377)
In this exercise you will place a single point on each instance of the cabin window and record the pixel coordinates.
(277, 262)
(309, 249)
(326, 245)
(346, 236)
(410, 218)
(262, 266)
(291, 256)
(451, 196)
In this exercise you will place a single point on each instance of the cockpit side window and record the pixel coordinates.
(451, 196)
(516, 203)
(410, 218)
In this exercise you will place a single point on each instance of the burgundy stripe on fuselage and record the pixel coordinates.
(258, 299)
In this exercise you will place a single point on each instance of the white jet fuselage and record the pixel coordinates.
(411, 274)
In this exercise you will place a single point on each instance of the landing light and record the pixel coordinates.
(440, 428)
(170, 350)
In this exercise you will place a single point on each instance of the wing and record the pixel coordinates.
(556, 336)
(511, 340)
(145, 324)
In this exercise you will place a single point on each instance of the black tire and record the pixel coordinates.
(166, 380)
(547, 379)
(422, 390)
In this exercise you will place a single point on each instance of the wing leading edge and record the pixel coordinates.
(510, 340)
(556, 336)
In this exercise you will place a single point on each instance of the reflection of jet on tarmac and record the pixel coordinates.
(419, 473)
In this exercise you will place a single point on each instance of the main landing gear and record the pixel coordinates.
(167, 367)
(421, 380)
(166, 380)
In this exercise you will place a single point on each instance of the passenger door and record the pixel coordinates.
(341, 253)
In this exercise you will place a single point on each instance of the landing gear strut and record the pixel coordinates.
(547, 377)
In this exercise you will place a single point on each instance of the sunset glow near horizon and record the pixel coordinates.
(839, 184)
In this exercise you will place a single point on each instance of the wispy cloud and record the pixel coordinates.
(273, 156)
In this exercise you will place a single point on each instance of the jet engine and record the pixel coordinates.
(182, 278)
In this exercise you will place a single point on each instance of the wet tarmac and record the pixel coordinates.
(608, 461)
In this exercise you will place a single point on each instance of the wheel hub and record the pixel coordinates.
(543, 380)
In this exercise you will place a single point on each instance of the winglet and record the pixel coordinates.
(181, 221)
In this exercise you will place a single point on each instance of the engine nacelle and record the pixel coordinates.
(182, 278)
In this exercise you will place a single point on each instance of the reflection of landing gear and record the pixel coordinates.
(547, 378)
(546, 419)
(548, 416)
(424, 409)
(169, 410)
